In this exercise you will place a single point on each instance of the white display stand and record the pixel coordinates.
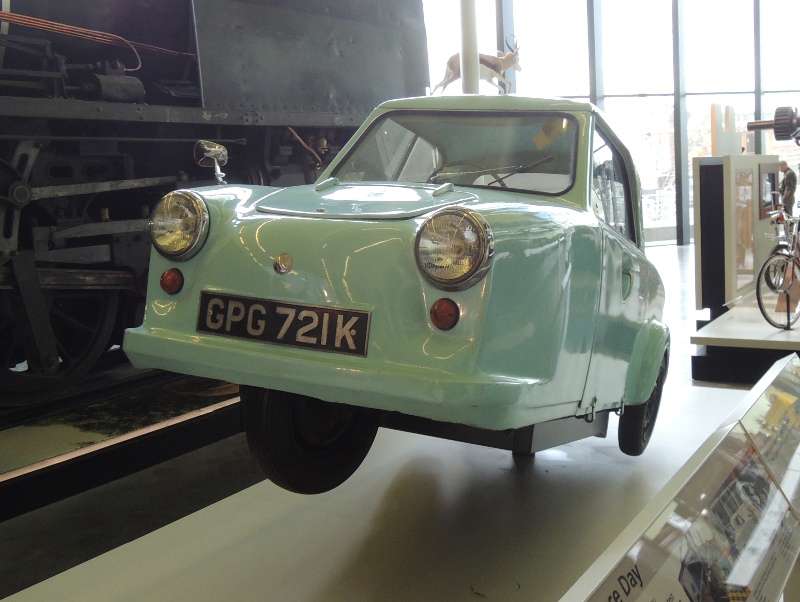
(747, 185)
(744, 327)
(734, 235)
(726, 526)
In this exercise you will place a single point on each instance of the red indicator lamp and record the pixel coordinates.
(172, 281)
(445, 314)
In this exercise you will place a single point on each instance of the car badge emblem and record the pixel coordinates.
(283, 263)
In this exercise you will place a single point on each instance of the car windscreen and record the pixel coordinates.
(530, 152)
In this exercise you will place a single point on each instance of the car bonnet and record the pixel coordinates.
(336, 200)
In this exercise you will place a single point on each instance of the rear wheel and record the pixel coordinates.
(304, 444)
(637, 422)
(778, 291)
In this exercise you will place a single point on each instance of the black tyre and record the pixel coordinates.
(778, 291)
(304, 444)
(637, 422)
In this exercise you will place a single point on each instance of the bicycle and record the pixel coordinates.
(778, 283)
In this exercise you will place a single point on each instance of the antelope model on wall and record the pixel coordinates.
(491, 67)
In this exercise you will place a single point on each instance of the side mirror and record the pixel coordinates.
(211, 154)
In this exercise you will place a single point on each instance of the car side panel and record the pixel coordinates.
(545, 285)
(632, 293)
(651, 344)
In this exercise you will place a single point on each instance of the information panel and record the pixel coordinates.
(731, 533)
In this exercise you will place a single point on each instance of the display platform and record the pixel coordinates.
(422, 519)
(743, 326)
(739, 346)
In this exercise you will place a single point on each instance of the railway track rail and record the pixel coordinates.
(116, 423)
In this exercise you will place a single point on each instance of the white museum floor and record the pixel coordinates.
(423, 518)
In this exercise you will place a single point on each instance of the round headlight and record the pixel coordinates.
(179, 224)
(454, 249)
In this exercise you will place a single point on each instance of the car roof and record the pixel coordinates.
(506, 102)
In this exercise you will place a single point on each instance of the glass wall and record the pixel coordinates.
(636, 37)
(633, 46)
(553, 48)
(779, 73)
(718, 40)
(646, 126)
(636, 47)
(778, 45)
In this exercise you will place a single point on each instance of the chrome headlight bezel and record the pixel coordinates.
(479, 252)
(196, 212)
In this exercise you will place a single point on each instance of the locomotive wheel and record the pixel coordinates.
(82, 322)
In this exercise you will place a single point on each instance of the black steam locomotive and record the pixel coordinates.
(101, 103)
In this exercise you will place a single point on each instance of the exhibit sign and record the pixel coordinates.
(731, 532)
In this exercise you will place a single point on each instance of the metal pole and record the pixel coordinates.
(683, 230)
(470, 69)
(758, 31)
(597, 94)
(505, 30)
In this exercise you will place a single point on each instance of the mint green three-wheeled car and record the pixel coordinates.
(469, 267)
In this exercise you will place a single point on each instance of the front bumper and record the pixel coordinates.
(487, 401)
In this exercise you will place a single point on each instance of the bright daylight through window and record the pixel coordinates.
(637, 89)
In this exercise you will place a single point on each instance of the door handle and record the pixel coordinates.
(627, 283)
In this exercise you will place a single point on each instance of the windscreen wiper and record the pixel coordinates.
(522, 169)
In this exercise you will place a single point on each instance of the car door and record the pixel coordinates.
(621, 308)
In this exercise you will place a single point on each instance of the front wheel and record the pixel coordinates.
(304, 444)
(637, 422)
(778, 291)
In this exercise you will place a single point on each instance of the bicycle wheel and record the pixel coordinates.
(774, 273)
(778, 291)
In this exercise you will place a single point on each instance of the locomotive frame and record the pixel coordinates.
(101, 102)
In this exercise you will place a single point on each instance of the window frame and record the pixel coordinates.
(620, 159)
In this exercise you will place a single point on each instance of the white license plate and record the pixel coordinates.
(281, 323)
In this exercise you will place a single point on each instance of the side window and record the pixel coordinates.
(610, 192)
